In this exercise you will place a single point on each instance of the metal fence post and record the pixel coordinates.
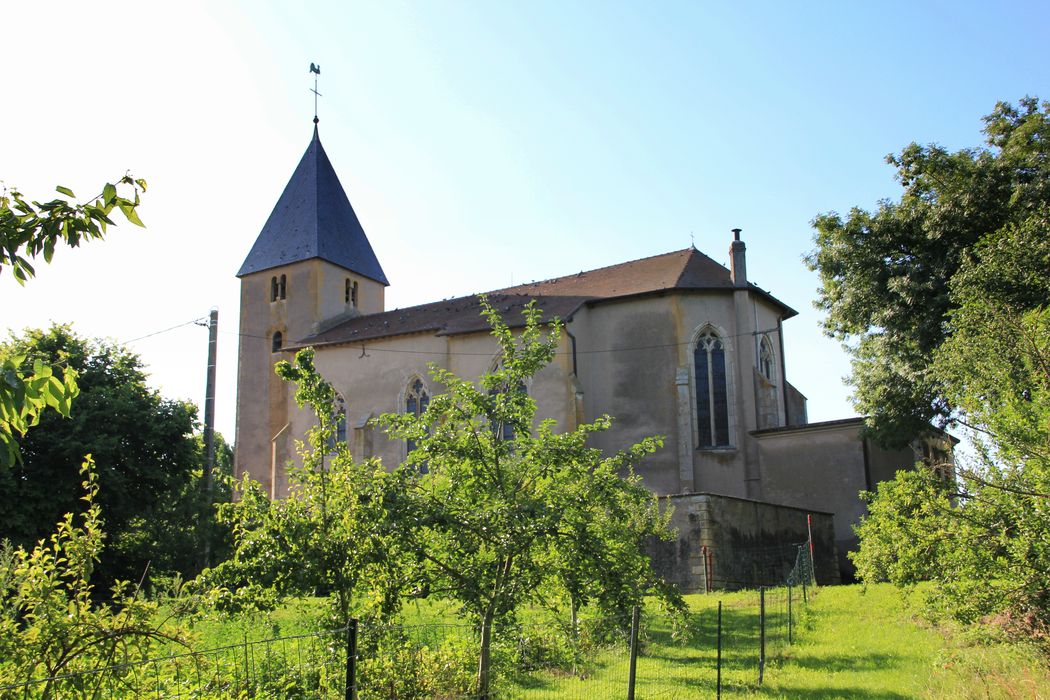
(761, 633)
(247, 672)
(718, 683)
(805, 598)
(351, 660)
(634, 653)
(789, 614)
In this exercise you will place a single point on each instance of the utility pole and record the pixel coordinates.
(209, 421)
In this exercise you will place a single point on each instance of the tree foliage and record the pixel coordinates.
(983, 535)
(50, 624)
(29, 229)
(27, 390)
(150, 464)
(330, 536)
(886, 276)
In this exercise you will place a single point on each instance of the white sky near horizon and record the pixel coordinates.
(481, 143)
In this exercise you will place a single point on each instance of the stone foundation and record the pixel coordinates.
(726, 543)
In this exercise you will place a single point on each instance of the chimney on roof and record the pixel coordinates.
(737, 261)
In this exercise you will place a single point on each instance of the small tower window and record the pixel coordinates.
(273, 289)
(277, 342)
(350, 293)
(282, 287)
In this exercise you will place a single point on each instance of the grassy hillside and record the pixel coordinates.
(872, 644)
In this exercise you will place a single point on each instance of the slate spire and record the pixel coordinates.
(313, 219)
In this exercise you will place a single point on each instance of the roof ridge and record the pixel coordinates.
(584, 272)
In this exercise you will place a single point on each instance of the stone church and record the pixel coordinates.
(674, 344)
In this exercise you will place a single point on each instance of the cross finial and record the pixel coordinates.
(316, 70)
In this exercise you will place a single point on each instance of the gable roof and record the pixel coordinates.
(313, 219)
(682, 270)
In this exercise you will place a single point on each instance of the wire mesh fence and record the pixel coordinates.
(723, 647)
(303, 666)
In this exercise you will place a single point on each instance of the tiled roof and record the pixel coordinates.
(313, 219)
(450, 317)
(684, 270)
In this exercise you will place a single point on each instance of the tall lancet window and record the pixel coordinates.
(339, 419)
(416, 401)
(712, 396)
(765, 358)
(339, 415)
(505, 431)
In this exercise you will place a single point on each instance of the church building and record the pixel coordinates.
(674, 344)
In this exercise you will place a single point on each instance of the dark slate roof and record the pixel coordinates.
(683, 270)
(314, 219)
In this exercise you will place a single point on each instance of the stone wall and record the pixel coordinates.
(728, 543)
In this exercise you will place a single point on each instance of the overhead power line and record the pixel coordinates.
(166, 330)
(409, 351)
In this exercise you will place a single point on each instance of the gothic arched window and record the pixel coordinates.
(339, 416)
(273, 289)
(507, 432)
(277, 342)
(282, 287)
(712, 394)
(765, 358)
(416, 401)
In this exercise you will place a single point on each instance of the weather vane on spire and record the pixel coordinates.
(316, 70)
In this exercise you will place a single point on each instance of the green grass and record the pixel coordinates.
(292, 619)
(871, 643)
(850, 642)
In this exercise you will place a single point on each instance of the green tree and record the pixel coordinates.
(330, 536)
(886, 276)
(497, 524)
(983, 535)
(29, 229)
(149, 461)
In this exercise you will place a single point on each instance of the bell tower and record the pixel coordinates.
(310, 266)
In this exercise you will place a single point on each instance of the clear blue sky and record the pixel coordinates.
(482, 143)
